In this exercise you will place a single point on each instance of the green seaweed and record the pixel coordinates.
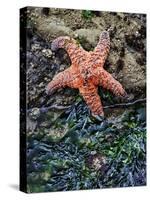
(87, 14)
(67, 164)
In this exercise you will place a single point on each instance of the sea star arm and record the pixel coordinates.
(92, 99)
(75, 51)
(63, 79)
(103, 46)
(109, 83)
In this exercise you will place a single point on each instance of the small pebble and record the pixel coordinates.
(47, 53)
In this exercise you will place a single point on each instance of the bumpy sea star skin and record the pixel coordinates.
(86, 71)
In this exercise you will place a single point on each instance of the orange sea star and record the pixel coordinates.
(86, 71)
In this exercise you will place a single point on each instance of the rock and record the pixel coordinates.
(87, 37)
(35, 47)
(127, 57)
(133, 73)
(51, 28)
(34, 113)
(47, 53)
(31, 125)
(97, 162)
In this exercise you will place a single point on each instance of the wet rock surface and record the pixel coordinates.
(127, 58)
(67, 149)
(42, 65)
